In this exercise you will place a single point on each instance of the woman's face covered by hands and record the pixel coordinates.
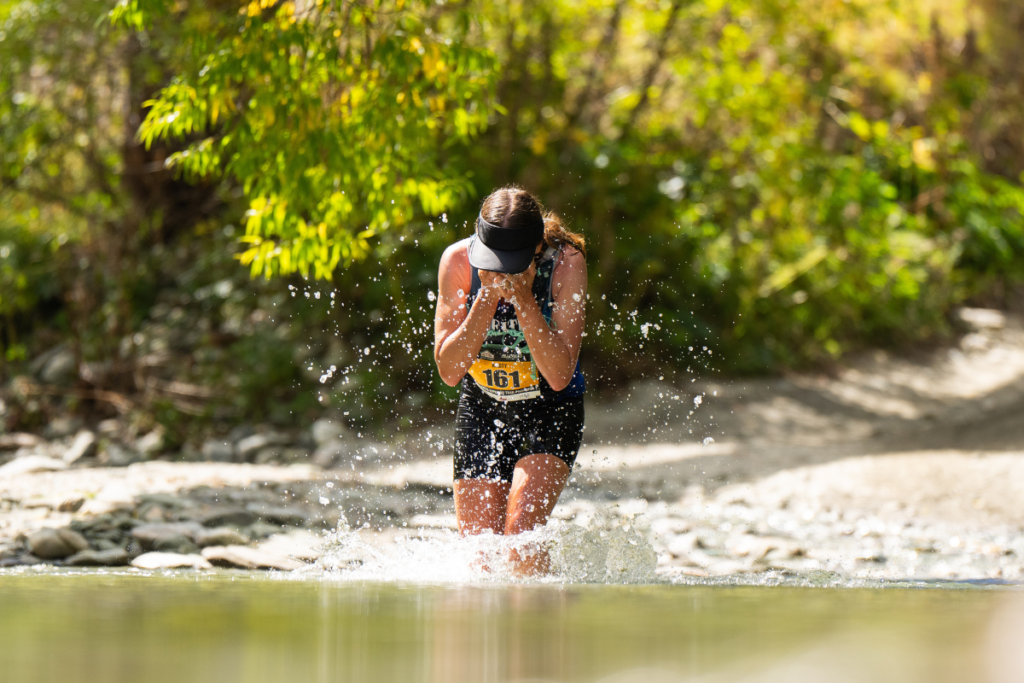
(509, 287)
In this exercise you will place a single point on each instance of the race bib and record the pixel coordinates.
(506, 380)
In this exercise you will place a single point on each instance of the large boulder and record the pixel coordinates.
(56, 544)
(111, 557)
(176, 537)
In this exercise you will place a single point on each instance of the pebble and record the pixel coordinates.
(283, 516)
(159, 560)
(116, 455)
(113, 557)
(220, 536)
(229, 516)
(150, 536)
(326, 430)
(248, 558)
(62, 426)
(56, 544)
(248, 446)
(218, 450)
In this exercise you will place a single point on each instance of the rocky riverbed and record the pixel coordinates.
(892, 468)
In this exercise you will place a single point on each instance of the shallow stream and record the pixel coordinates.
(92, 626)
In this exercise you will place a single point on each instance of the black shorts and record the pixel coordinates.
(491, 436)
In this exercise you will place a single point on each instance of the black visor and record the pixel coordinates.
(504, 250)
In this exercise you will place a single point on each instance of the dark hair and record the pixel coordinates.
(514, 207)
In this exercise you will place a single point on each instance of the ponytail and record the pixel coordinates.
(512, 206)
(556, 235)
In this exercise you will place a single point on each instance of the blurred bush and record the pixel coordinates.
(763, 183)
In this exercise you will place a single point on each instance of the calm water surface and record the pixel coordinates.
(92, 627)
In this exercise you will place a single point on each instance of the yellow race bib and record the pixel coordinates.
(506, 380)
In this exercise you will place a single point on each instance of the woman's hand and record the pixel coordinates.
(492, 280)
(520, 285)
(516, 288)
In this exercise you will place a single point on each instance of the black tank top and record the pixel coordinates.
(504, 369)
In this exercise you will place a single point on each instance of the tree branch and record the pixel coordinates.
(604, 49)
(652, 70)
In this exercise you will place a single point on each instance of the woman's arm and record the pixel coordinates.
(554, 350)
(458, 336)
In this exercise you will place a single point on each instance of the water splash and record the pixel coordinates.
(603, 551)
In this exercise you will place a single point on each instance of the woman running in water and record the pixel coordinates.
(508, 326)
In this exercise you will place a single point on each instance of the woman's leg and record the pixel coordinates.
(480, 505)
(536, 485)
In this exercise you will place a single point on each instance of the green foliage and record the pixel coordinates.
(28, 276)
(762, 183)
(782, 181)
(334, 118)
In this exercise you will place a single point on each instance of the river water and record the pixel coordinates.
(96, 626)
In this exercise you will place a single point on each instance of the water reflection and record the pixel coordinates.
(240, 627)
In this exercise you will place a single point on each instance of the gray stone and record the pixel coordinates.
(223, 535)
(268, 455)
(157, 560)
(19, 561)
(116, 455)
(281, 455)
(261, 529)
(38, 364)
(154, 536)
(56, 544)
(248, 446)
(110, 557)
(329, 453)
(228, 516)
(72, 504)
(292, 456)
(110, 427)
(61, 368)
(284, 516)
(248, 558)
(83, 446)
(62, 426)
(218, 450)
(176, 544)
(106, 544)
(326, 430)
(151, 513)
(240, 432)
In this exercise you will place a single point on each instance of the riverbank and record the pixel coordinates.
(893, 467)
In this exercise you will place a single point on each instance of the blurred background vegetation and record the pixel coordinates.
(218, 211)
